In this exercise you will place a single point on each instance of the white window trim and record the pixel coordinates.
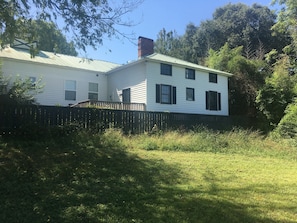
(68, 89)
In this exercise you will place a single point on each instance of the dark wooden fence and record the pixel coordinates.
(13, 118)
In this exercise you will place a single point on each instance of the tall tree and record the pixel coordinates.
(87, 20)
(287, 25)
(189, 46)
(237, 25)
(250, 27)
(168, 43)
(48, 36)
(247, 79)
(280, 88)
(207, 37)
(278, 92)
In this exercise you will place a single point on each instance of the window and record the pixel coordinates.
(190, 94)
(93, 91)
(190, 74)
(213, 78)
(165, 94)
(166, 69)
(213, 100)
(126, 94)
(70, 90)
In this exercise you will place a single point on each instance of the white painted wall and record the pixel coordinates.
(54, 77)
(133, 77)
(200, 84)
(140, 77)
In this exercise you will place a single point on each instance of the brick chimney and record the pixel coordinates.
(145, 47)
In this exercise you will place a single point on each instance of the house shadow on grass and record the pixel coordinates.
(86, 183)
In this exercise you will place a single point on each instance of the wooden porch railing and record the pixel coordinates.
(111, 105)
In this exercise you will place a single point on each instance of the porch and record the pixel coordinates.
(111, 105)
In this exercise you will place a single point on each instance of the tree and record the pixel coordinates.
(189, 44)
(168, 43)
(287, 21)
(207, 37)
(278, 92)
(241, 25)
(287, 25)
(237, 25)
(247, 79)
(48, 36)
(87, 20)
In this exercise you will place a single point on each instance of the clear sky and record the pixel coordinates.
(154, 15)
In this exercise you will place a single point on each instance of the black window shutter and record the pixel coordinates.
(173, 95)
(158, 93)
(207, 100)
(219, 101)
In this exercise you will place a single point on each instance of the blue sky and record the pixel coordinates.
(154, 15)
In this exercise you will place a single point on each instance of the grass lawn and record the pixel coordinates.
(226, 188)
(107, 178)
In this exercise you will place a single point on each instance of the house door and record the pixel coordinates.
(126, 95)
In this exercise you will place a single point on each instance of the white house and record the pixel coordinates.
(160, 82)
(67, 80)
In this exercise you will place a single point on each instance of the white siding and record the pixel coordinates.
(53, 78)
(141, 77)
(133, 77)
(200, 84)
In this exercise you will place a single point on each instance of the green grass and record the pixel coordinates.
(201, 176)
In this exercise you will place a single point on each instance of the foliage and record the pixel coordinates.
(235, 24)
(248, 77)
(287, 127)
(241, 25)
(47, 35)
(3, 81)
(189, 44)
(19, 91)
(87, 20)
(168, 43)
(238, 39)
(226, 59)
(287, 22)
(236, 141)
(82, 180)
(278, 92)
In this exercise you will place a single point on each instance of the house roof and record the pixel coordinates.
(61, 60)
(160, 58)
(174, 61)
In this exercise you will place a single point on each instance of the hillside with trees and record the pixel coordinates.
(257, 45)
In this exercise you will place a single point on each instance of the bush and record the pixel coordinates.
(287, 127)
(149, 145)
(112, 138)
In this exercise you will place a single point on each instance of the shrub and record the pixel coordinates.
(287, 127)
(112, 138)
(286, 130)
